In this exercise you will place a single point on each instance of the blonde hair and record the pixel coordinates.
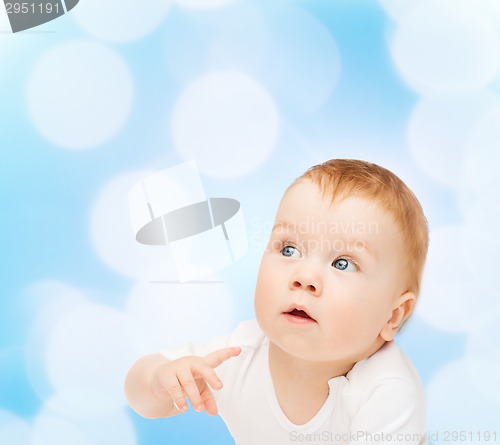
(340, 178)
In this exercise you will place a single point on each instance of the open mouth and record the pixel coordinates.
(299, 315)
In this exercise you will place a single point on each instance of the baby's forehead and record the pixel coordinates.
(322, 192)
(306, 196)
(306, 211)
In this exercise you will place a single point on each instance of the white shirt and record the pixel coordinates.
(380, 400)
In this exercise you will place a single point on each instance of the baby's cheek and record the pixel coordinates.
(350, 325)
(263, 302)
(346, 313)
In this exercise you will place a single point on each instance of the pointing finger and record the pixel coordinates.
(215, 358)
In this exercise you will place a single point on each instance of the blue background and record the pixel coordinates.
(411, 85)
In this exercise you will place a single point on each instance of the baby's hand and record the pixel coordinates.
(188, 377)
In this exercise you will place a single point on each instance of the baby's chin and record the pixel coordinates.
(298, 348)
(319, 352)
(327, 365)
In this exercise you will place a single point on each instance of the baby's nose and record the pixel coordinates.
(309, 287)
(305, 279)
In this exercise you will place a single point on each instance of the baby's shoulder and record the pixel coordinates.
(388, 365)
(384, 390)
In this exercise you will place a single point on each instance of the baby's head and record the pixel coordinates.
(343, 266)
(342, 178)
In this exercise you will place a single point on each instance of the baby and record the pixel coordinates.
(339, 277)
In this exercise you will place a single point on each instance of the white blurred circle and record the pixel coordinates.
(114, 239)
(51, 300)
(438, 130)
(169, 314)
(234, 39)
(467, 198)
(483, 354)
(241, 39)
(446, 46)
(120, 20)
(79, 94)
(481, 223)
(90, 347)
(397, 9)
(303, 65)
(56, 429)
(482, 157)
(226, 122)
(13, 429)
(480, 245)
(82, 403)
(186, 43)
(492, 9)
(450, 299)
(203, 4)
(454, 404)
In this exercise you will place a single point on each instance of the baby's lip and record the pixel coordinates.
(299, 311)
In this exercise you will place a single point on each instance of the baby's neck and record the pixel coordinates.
(301, 387)
(285, 366)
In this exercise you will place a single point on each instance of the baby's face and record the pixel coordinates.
(329, 277)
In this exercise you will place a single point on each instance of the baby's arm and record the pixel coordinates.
(156, 387)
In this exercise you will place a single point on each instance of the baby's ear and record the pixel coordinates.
(399, 314)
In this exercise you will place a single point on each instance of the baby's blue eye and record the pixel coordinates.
(343, 264)
(291, 252)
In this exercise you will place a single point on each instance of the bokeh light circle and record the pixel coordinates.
(397, 9)
(51, 300)
(227, 123)
(492, 9)
(236, 39)
(89, 347)
(438, 129)
(79, 94)
(80, 403)
(446, 46)
(240, 40)
(483, 354)
(482, 157)
(480, 239)
(13, 429)
(114, 239)
(450, 299)
(120, 20)
(303, 65)
(56, 429)
(167, 315)
(202, 5)
(454, 404)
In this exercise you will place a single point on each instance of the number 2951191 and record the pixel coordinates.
(32, 8)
